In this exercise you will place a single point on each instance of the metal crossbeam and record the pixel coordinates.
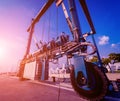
(87, 14)
(41, 12)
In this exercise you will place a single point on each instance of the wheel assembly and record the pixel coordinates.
(93, 88)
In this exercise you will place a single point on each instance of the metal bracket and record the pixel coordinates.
(58, 2)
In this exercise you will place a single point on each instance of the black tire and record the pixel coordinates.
(96, 80)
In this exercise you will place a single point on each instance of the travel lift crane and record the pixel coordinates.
(87, 79)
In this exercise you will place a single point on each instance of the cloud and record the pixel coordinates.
(103, 40)
(115, 45)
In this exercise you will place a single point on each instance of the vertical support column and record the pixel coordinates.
(31, 30)
(79, 65)
(78, 61)
(45, 69)
(38, 69)
(21, 71)
(76, 25)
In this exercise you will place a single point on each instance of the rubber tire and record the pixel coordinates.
(95, 75)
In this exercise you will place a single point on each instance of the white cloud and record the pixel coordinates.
(103, 40)
(115, 45)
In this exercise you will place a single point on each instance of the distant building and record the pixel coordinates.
(117, 65)
(113, 67)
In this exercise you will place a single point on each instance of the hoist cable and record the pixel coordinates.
(58, 62)
(49, 25)
(58, 81)
(36, 42)
(57, 21)
(43, 28)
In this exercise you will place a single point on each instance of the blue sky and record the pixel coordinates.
(16, 15)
